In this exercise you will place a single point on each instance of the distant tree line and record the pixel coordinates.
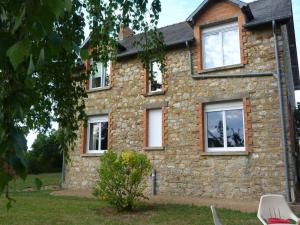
(45, 156)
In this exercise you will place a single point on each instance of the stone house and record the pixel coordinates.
(219, 121)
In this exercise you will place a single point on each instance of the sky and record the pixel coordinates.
(174, 11)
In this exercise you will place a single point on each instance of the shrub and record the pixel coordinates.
(121, 178)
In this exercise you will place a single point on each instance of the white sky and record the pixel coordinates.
(174, 11)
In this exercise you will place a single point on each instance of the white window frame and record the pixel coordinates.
(219, 29)
(99, 120)
(104, 74)
(149, 81)
(222, 107)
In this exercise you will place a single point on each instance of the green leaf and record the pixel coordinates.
(84, 54)
(18, 20)
(38, 183)
(18, 52)
(21, 144)
(8, 205)
(57, 7)
(41, 59)
(31, 67)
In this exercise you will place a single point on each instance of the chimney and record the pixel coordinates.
(125, 32)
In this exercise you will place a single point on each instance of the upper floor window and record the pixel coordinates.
(101, 76)
(221, 45)
(97, 134)
(155, 77)
(224, 127)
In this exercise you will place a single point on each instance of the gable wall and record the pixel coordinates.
(214, 13)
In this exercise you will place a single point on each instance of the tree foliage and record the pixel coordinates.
(41, 69)
(121, 178)
(45, 155)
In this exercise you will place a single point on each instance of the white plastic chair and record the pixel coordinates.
(274, 206)
(215, 216)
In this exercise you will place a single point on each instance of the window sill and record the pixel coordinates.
(92, 154)
(211, 70)
(238, 153)
(154, 149)
(154, 93)
(98, 89)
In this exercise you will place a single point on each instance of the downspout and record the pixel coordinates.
(282, 116)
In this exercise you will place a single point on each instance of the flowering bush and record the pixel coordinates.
(121, 178)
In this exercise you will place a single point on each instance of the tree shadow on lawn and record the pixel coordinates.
(141, 212)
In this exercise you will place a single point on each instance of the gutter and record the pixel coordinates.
(282, 116)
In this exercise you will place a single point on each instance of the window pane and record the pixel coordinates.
(212, 51)
(155, 128)
(234, 127)
(231, 47)
(94, 136)
(104, 133)
(156, 78)
(96, 82)
(214, 129)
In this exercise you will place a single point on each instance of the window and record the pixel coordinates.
(224, 127)
(97, 134)
(154, 128)
(101, 76)
(155, 77)
(221, 45)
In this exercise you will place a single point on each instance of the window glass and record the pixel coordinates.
(215, 129)
(101, 76)
(104, 133)
(97, 134)
(212, 51)
(220, 45)
(231, 49)
(224, 127)
(94, 136)
(234, 127)
(155, 79)
(155, 128)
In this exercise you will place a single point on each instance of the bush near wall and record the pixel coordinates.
(121, 178)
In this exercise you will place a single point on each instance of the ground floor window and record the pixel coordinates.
(224, 127)
(97, 134)
(154, 128)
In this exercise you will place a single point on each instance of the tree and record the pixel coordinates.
(45, 155)
(41, 69)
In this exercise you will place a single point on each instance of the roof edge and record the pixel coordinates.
(239, 3)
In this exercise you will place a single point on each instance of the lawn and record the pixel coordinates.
(40, 207)
(36, 208)
(48, 180)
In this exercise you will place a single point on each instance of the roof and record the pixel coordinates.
(257, 12)
(264, 11)
(173, 35)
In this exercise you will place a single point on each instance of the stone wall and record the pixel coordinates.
(181, 169)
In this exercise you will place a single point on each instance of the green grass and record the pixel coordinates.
(48, 179)
(37, 208)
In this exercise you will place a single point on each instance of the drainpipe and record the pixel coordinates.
(153, 176)
(282, 113)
